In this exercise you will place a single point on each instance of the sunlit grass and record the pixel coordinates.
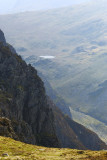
(14, 150)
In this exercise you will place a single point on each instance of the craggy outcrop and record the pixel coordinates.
(23, 100)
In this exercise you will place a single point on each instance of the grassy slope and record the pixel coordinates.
(17, 150)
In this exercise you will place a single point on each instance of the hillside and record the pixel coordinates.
(18, 150)
(91, 123)
(71, 133)
(24, 111)
(76, 37)
(28, 115)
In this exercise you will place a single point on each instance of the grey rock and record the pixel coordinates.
(23, 101)
(5, 154)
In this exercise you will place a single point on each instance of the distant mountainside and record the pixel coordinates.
(28, 115)
(90, 123)
(86, 120)
(71, 133)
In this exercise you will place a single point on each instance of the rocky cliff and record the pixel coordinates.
(23, 101)
(26, 114)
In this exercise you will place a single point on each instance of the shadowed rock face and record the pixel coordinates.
(26, 114)
(23, 100)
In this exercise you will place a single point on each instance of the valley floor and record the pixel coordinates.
(14, 150)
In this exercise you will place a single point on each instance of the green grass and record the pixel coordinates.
(20, 151)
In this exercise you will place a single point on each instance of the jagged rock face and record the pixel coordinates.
(23, 100)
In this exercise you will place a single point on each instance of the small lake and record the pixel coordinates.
(47, 57)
